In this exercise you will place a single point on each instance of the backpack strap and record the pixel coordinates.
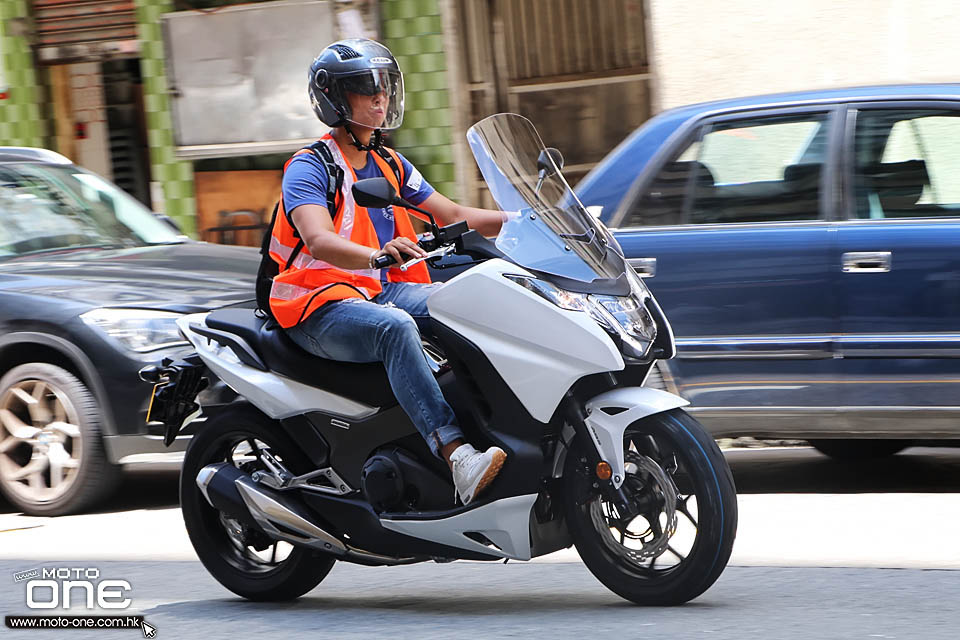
(334, 174)
(391, 160)
(322, 153)
(268, 235)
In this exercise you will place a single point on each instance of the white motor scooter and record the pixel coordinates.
(541, 347)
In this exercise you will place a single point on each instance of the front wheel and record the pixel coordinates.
(681, 540)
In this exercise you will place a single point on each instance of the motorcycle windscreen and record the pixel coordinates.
(547, 228)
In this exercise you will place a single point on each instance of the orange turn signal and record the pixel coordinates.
(604, 471)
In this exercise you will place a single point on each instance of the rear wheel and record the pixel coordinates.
(683, 536)
(242, 558)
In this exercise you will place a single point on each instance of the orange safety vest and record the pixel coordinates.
(310, 283)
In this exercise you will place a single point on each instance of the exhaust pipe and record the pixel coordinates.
(232, 491)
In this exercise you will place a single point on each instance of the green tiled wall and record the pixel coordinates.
(413, 30)
(175, 176)
(21, 120)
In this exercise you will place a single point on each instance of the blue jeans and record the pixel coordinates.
(385, 330)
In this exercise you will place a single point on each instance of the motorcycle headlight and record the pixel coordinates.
(561, 297)
(631, 320)
(625, 316)
(139, 330)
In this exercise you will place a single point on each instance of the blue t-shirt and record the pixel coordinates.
(305, 182)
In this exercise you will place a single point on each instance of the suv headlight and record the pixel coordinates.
(139, 330)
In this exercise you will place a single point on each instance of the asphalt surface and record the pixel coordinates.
(824, 550)
(560, 600)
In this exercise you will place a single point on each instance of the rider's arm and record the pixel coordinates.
(316, 228)
(446, 211)
(419, 192)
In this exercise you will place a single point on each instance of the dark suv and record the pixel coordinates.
(91, 283)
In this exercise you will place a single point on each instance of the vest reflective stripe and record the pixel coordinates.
(349, 206)
(285, 291)
(280, 251)
(309, 283)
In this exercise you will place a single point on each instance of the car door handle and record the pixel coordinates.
(867, 261)
(645, 267)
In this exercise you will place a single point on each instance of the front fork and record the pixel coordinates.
(600, 477)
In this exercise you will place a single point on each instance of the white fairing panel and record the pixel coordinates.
(275, 395)
(607, 429)
(506, 523)
(538, 348)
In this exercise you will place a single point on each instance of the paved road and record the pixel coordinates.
(824, 550)
(559, 600)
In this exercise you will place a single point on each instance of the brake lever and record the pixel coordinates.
(436, 253)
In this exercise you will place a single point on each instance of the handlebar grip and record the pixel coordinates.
(384, 261)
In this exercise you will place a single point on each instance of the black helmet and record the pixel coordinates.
(358, 66)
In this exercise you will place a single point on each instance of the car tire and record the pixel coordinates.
(854, 449)
(50, 420)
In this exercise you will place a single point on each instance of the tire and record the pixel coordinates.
(850, 450)
(229, 557)
(58, 422)
(704, 529)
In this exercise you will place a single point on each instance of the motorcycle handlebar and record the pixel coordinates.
(428, 242)
(384, 261)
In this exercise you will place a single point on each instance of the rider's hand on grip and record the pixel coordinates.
(383, 261)
(397, 251)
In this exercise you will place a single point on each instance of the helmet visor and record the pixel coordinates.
(373, 98)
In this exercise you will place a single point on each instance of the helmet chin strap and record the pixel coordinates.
(375, 140)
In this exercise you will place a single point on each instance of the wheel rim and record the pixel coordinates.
(659, 540)
(241, 546)
(40, 441)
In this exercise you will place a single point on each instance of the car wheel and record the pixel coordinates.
(853, 449)
(52, 460)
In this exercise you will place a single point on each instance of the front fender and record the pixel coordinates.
(630, 404)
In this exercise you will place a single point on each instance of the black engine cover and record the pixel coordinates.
(394, 481)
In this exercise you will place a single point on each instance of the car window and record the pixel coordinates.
(761, 169)
(907, 164)
(49, 208)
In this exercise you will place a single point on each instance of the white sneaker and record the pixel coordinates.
(474, 471)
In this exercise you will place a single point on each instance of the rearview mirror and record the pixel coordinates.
(374, 192)
(544, 166)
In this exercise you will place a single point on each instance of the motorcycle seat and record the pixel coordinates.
(366, 383)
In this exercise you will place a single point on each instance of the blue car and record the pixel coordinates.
(806, 248)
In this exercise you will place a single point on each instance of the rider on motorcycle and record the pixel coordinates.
(329, 296)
